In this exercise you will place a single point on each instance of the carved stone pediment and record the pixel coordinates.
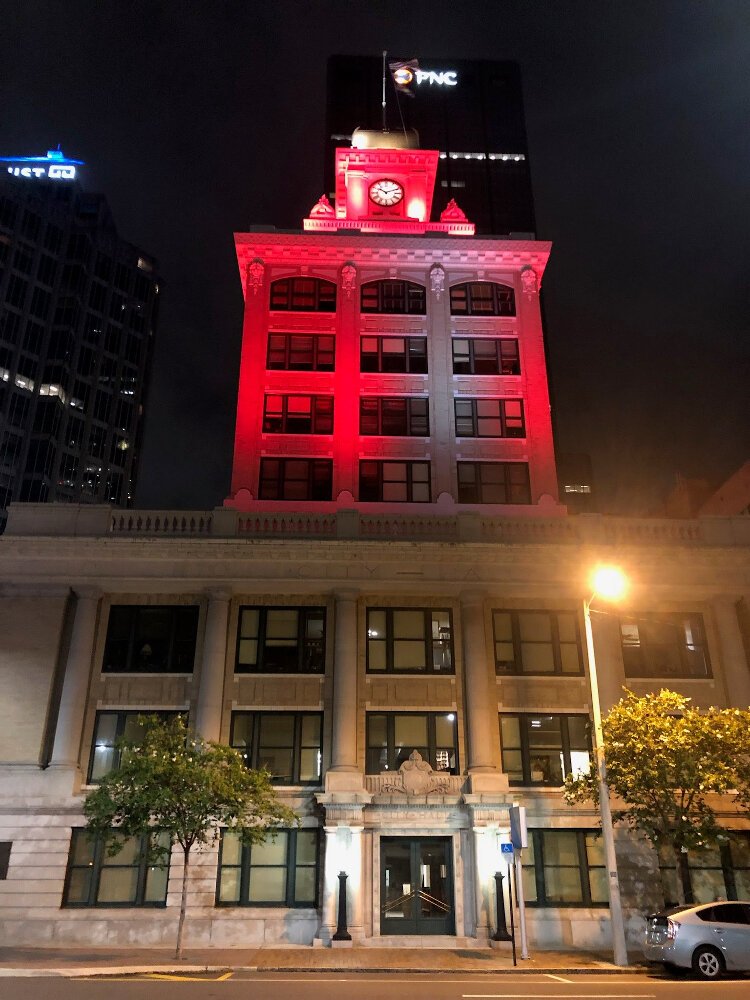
(415, 777)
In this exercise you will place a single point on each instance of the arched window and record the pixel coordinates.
(482, 298)
(303, 295)
(394, 297)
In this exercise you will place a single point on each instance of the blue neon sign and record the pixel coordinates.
(55, 166)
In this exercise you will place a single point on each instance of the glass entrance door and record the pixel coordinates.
(416, 886)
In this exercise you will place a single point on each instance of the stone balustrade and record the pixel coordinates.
(351, 524)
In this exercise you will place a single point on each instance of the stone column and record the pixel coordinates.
(69, 728)
(481, 892)
(344, 755)
(331, 867)
(356, 883)
(213, 666)
(734, 665)
(481, 702)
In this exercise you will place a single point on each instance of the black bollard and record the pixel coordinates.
(501, 933)
(342, 934)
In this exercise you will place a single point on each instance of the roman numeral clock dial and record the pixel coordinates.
(386, 193)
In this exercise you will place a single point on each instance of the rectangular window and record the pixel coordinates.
(393, 354)
(295, 479)
(722, 871)
(397, 416)
(281, 871)
(301, 352)
(665, 645)
(493, 482)
(151, 639)
(565, 868)
(298, 415)
(543, 749)
(393, 736)
(394, 482)
(393, 297)
(281, 640)
(537, 642)
(287, 744)
(489, 418)
(482, 356)
(303, 295)
(409, 640)
(109, 728)
(126, 879)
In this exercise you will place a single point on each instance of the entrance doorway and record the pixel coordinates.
(416, 886)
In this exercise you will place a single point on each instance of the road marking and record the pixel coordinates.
(558, 978)
(166, 977)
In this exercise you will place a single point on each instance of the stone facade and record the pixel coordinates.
(64, 568)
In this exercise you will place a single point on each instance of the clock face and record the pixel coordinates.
(386, 192)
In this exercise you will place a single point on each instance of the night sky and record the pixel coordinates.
(197, 119)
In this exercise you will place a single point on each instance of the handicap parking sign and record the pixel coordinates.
(506, 848)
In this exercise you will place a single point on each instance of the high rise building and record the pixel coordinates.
(77, 313)
(470, 110)
(388, 359)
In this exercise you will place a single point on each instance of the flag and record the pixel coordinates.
(402, 74)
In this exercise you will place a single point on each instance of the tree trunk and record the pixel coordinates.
(183, 903)
(682, 876)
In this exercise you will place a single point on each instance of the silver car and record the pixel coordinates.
(709, 939)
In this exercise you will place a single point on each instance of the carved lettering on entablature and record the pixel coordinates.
(307, 445)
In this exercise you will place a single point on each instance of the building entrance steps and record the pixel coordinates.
(122, 961)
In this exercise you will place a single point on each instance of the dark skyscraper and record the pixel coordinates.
(77, 314)
(469, 110)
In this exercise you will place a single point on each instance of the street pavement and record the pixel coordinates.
(246, 985)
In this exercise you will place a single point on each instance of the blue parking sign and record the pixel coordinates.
(506, 848)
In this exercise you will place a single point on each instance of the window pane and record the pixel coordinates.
(578, 732)
(277, 761)
(231, 848)
(79, 885)
(409, 655)
(535, 628)
(157, 877)
(377, 730)
(248, 652)
(242, 730)
(82, 849)
(566, 625)
(510, 732)
(267, 885)
(307, 847)
(563, 885)
(281, 623)
(503, 629)
(272, 851)
(310, 730)
(598, 885)
(229, 885)
(408, 624)
(570, 659)
(277, 730)
(445, 729)
(410, 729)
(513, 765)
(537, 658)
(305, 885)
(544, 731)
(118, 885)
(561, 848)
(595, 849)
(309, 765)
(377, 654)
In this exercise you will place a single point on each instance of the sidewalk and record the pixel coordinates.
(131, 961)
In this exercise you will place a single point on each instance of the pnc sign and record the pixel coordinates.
(54, 166)
(440, 78)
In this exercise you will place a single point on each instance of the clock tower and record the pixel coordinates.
(385, 184)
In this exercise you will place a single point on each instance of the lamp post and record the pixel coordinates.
(610, 584)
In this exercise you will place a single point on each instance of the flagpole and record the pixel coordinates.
(385, 127)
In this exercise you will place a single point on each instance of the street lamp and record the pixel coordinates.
(609, 583)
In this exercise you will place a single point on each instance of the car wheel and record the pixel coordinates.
(708, 963)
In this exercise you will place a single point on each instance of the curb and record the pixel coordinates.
(93, 972)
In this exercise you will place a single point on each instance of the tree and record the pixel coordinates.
(664, 759)
(187, 789)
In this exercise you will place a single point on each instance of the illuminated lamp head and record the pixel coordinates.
(609, 582)
(403, 76)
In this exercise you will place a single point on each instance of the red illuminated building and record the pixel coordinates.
(388, 359)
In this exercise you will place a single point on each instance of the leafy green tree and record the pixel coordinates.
(187, 788)
(664, 759)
